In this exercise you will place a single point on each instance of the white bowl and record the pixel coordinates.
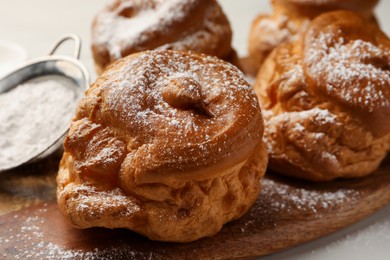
(11, 56)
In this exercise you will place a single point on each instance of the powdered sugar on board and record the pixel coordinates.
(31, 234)
(310, 200)
(43, 233)
(284, 199)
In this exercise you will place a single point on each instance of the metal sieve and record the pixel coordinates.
(53, 64)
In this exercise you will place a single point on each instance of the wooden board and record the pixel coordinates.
(287, 213)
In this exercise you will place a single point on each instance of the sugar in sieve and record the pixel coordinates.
(59, 65)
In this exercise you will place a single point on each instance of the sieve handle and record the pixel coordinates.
(77, 44)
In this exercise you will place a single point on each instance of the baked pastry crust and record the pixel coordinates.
(129, 26)
(325, 99)
(291, 18)
(165, 143)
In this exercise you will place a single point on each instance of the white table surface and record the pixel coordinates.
(37, 24)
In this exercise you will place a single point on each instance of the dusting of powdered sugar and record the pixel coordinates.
(33, 239)
(348, 70)
(322, 116)
(98, 202)
(282, 200)
(294, 121)
(33, 116)
(289, 199)
(208, 32)
(275, 28)
(120, 33)
(137, 103)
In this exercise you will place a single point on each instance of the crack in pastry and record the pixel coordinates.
(325, 99)
(142, 138)
(128, 26)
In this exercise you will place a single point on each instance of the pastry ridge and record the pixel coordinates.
(325, 99)
(173, 139)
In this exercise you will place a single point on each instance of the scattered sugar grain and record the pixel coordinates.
(289, 199)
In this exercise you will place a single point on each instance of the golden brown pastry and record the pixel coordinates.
(165, 143)
(128, 26)
(289, 19)
(326, 99)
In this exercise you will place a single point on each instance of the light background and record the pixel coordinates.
(37, 24)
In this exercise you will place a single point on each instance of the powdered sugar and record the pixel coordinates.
(276, 28)
(287, 199)
(298, 127)
(271, 31)
(140, 107)
(321, 116)
(32, 243)
(97, 202)
(41, 235)
(121, 33)
(33, 116)
(351, 70)
(118, 31)
(295, 126)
